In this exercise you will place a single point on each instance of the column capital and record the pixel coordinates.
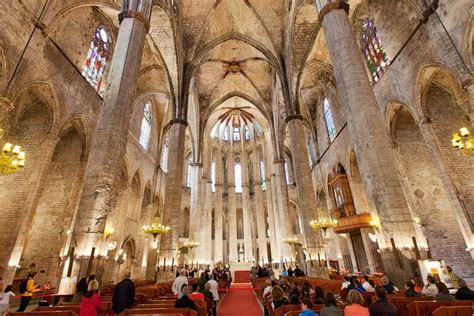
(279, 160)
(178, 120)
(324, 7)
(294, 117)
(135, 15)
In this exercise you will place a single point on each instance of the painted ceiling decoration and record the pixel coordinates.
(233, 66)
(236, 117)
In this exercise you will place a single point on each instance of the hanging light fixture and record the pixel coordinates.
(323, 223)
(156, 228)
(12, 158)
(463, 140)
(292, 240)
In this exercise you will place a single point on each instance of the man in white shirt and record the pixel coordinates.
(366, 285)
(346, 283)
(430, 289)
(215, 292)
(179, 282)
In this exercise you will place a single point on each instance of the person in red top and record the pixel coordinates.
(196, 295)
(91, 303)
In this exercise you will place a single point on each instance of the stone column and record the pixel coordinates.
(219, 225)
(196, 223)
(286, 251)
(106, 157)
(272, 222)
(372, 144)
(307, 204)
(261, 221)
(246, 204)
(231, 206)
(172, 195)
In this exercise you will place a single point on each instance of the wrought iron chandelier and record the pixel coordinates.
(190, 244)
(156, 228)
(323, 223)
(12, 158)
(463, 140)
(292, 240)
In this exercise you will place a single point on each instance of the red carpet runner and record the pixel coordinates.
(240, 302)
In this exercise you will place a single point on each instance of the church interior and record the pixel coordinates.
(146, 136)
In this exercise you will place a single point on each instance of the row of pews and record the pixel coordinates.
(407, 306)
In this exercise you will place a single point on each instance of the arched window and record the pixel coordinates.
(225, 135)
(238, 177)
(97, 57)
(145, 130)
(236, 134)
(189, 178)
(328, 120)
(262, 175)
(213, 176)
(247, 133)
(373, 50)
(164, 156)
(311, 150)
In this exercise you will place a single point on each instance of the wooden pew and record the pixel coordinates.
(282, 310)
(44, 313)
(107, 310)
(159, 311)
(454, 311)
(401, 303)
(426, 308)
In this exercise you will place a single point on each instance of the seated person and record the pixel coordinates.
(410, 290)
(318, 295)
(356, 300)
(294, 299)
(430, 289)
(464, 293)
(330, 306)
(381, 307)
(196, 295)
(307, 306)
(278, 297)
(184, 301)
(443, 293)
(388, 286)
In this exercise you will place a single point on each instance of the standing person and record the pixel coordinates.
(81, 289)
(382, 307)
(26, 296)
(330, 306)
(290, 271)
(179, 282)
(355, 308)
(124, 295)
(454, 278)
(5, 299)
(306, 306)
(214, 289)
(91, 302)
(196, 295)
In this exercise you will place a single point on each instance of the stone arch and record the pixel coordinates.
(81, 124)
(356, 182)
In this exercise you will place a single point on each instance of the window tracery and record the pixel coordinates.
(373, 50)
(331, 129)
(145, 129)
(97, 55)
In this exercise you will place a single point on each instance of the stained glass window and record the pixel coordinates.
(238, 178)
(225, 135)
(189, 178)
(97, 57)
(373, 50)
(247, 133)
(145, 130)
(328, 119)
(262, 175)
(164, 156)
(236, 134)
(213, 176)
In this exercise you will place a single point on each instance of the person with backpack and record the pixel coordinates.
(26, 290)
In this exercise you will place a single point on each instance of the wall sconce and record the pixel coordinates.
(107, 232)
(417, 221)
(375, 223)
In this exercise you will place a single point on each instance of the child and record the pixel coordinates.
(5, 300)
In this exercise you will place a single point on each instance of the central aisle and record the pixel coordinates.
(240, 301)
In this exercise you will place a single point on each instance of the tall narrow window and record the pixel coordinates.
(311, 150)
(373, 50)
(236, 134)
(97, 56)
(262, 175)
(287, 173)
(328, 120)
(247, 133)
(238, 177)
(189, 178)
(145, 130)
(225, 135)
(213, 176)
(164, 156)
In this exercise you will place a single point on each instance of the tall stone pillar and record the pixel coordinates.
(231, 206)
(372, 144)
(286, 251)
(246, 205)
(307, 204)
(218, 212)
(106, 157)
(261, 220)
(272, 221)
(196, 216)
(173, 188)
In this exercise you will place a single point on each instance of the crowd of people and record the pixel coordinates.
(282, 292)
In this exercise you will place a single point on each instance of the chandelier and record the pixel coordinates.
(191, 244)
(462, 140)
(291, 240)
(12, 158)
(323, 223)
(156, 228)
